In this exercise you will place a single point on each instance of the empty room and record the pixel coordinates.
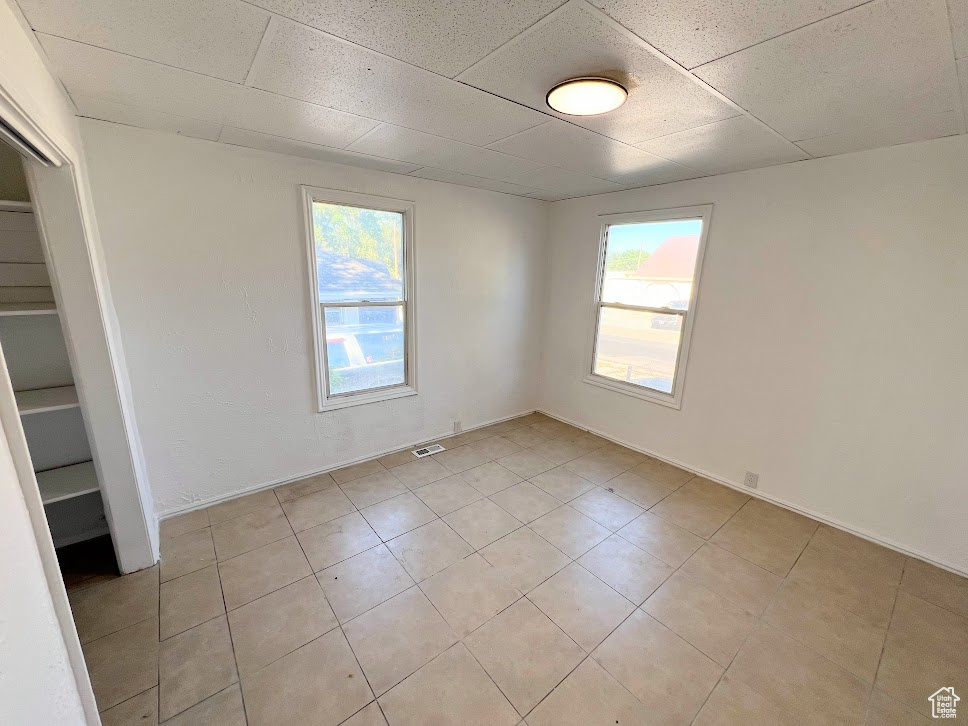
(483, 363)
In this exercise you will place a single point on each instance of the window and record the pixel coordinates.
(361, 272)
(645, 300)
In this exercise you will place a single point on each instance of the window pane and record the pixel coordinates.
(359, 253)
(651, 263)
(365, 349)
(638, 347)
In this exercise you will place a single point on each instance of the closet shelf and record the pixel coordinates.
(46, 399)
(67, 482)
(35, 308)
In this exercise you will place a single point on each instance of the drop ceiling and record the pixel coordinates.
(454, 90)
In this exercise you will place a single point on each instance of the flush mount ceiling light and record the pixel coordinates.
(587, 96)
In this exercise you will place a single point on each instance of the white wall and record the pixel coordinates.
(830, 351)
(205, 253)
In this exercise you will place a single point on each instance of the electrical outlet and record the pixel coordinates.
(752, 479)
(458, 426)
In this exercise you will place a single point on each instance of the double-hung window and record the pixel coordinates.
(361, 292)
(645, 299)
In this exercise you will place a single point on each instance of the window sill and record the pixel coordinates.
(361, 399)
(635, 391)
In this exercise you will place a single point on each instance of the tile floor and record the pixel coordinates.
(532, 573)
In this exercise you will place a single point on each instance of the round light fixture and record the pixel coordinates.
(587, 96)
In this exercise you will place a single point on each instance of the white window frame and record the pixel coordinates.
(673, 400)
(324, 400)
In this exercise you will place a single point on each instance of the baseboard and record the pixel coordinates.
(203, 503)
(869, 536)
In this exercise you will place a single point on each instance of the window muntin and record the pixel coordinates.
(646, 289)
(362, 298)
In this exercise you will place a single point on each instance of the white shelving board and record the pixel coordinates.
(36, 308)
(66, 482)
(46, 399)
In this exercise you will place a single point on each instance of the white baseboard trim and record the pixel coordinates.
(203, 503)
(836, 523)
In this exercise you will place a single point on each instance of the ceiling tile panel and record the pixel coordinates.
(96, 108)
(881, 62)
(215, 37)
(557, 143)
(577, 41)
(915, 129)
(467, 180)
(279, 145)
(725, 146)
(693, 32)
(123, 79)
(396, 142)
(277, 115)
(304, 63)
(958, 10)
(562, 181)
(444, 36)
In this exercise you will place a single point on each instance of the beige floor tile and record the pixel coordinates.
(481, 523)
(429, 549)
(662, 473)
(318, 684)
(533, 418)
(706, 620)
(369, 716)
(587, 696)
(524, 559)
(123, 664)
(398, 637)
(872, 558)
(451, 689)
(395, 516)
(944, 589)
(241, 505)
(223, 709)
(525, 653)
(241, 534)
(469, 593)
(275, 625)
(797, 680)
(447, 495)
(558, 451)
(570, 531)
(809, 618)
(562, 484)
(846, 583)
(594, 468)
(461, 459)
(885, 711)
(357, 471)
(556, 429)
(671, 544)
(733, 702)
(526, 463)
(701, 506)
(607, 509)
(631, 572)
(621, 455)
(417, 473)
(670, 677)
(741, 582)
(113, 605)
(398, 458)
(499, 429)
(183, 523)
(186, 553)
(766, 535)
(637, 489)
(490, 478)
(318, 508)
(142, 710)
(302, 487)
(525, 502)
(250, 576)
(337, 540)
(582, 605)
(190, 600)
(373, 489)
(525, 436)
(495, 447)
(194, 665)
(363, 581)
